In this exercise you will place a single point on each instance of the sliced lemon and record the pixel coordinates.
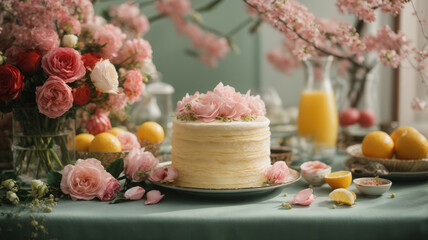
(343, 196)
(83, 140)
(340, 179)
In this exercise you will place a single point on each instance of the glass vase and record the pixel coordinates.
(41, 144)
(317, 122)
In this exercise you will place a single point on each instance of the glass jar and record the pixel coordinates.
(317, 122)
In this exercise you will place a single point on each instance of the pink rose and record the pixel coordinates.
(44, 39)
(128, 141)
(164, 174)
(184, 106)
(304, 197)
(208, 107)
(112, 37)
(277, 173)
(138, 163)
(86, 180)
(70, 25)
(98, 123)
(65, 63)
(133, 85)
(135, 193)
(112, 187)
(54, 97)
(153, 197)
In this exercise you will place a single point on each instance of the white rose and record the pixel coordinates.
(69, 40)
(150, 69)
(12, 197)
(104, 77)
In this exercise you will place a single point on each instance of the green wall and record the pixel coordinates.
(186, 73)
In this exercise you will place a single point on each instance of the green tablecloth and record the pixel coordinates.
(180, 216)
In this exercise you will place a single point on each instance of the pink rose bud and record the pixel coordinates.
(112, 187)
(166, 174)
(304, 197)
(277, 173)
(153, 197)
(135, 193)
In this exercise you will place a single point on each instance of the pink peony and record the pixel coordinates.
(112, 37)
(133, 85)
(304, 197)
(153, 197)
(118, 101)
(184, 106)
(98, 123)
(87, 179)
(65, 63)
(54, 97)
(208, 107)
(138, 164)
(135, 193)
(112, 187)
(44, 39)
(164, 174)
(70, 25)
(128, 141)
(140, 49)
(257, 106)
(277, 173)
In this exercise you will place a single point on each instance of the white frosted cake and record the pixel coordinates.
(214, 149)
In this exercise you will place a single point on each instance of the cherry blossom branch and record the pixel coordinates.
(239, 27)
(419, 20)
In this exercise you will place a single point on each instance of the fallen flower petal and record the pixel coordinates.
(153, 197)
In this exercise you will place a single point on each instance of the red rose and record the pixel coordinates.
(29, 62)
(11, 82)
(81, 95)
(89, 60)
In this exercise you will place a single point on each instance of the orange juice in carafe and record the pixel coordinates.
(317, 122)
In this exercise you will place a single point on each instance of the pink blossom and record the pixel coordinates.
(128, 141)
(138, 164)
(140, 25)
(44, 39)
(277, 173)
(139, 49)
(87, 10)
(208, 107)
(54, 97)
(418, 104)
(98, 123)
(112, 37)
(282, 61)
(163, 174)
(65, 63)
(173, 7)
(118, 101)
(87, 179)
(304, 197)
(184, 106)
(112, 187)
(127, 15)
(135, 193)
(70, 25)
(256, 105)
(153, 197)
(133, 85)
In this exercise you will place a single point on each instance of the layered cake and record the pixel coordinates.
(220, 139)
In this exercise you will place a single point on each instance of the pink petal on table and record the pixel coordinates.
(135, 193)
(153, 197)
(304, 197)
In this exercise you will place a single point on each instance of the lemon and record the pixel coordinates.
(411, 145)
(105, 142)
(399, 131)
(343, 196)
(116, 131)
(151, 131)
(339, 179)
(83, 140)
(378, 144)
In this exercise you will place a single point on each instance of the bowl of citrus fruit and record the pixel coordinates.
(117, 142)
(404, 150)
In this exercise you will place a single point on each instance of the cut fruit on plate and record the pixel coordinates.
(343, 196)
(339, 179)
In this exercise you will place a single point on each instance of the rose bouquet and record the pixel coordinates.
(58, 57)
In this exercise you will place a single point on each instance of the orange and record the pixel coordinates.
(83, 140)
(339, 179)
(411, 145)
(399, 131)
(105, 142)
(151, 131)
(116, 131)
(343, 196)
(378, 144)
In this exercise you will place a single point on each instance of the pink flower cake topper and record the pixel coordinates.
(223, 103)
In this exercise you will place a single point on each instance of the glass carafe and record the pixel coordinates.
(317, 121)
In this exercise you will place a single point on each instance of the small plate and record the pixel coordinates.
(293, 177)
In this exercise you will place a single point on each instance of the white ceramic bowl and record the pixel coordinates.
(316, 179)
(371, 189)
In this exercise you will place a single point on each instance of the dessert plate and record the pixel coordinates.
(293, 177)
